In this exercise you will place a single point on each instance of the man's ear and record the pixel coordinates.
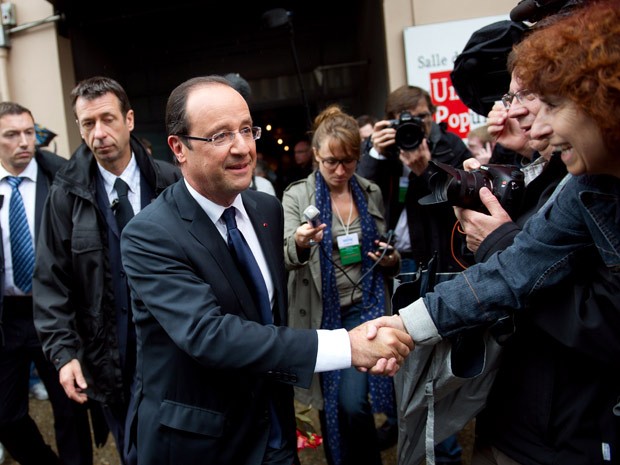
(178, 148)
(129, 119)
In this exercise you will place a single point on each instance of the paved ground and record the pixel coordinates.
(42, 414)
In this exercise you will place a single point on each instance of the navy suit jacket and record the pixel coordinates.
(206, 366)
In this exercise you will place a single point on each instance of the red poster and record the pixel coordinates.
(449, 107)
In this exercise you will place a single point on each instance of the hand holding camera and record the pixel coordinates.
(461, 188)
(382, 137)
(477, 226)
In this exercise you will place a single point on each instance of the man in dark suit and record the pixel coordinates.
(81, 307)
(25, 176)
(215, 372)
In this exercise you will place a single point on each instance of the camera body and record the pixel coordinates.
(461, 188)
(410, 131)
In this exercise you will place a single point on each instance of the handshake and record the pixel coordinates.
(380, 346)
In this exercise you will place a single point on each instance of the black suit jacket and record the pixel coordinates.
(206, 367)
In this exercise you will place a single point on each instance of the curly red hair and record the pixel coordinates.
(578, 57)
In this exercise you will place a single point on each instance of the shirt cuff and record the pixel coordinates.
(374, 154)
(419, 323)
(334, 351)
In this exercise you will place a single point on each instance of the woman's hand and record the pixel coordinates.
(389, 259)
(306, 235)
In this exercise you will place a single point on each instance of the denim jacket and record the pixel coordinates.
(582, 214)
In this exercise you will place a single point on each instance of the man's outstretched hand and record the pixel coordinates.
(380, 346)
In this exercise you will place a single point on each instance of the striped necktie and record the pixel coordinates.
(22, 248)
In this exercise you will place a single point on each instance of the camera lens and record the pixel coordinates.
(452, 186)
(409, 131)
(409, 135)
(455, 187)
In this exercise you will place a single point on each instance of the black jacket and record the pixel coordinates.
(430, 226)
(74, 302)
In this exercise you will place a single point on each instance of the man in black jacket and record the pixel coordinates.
(421, 230)
(26, 174)
(82, 308)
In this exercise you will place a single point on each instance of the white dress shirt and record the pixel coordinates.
(28, 190)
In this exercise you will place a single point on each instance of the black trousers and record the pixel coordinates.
(18, 432)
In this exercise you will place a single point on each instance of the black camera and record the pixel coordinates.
(409, 131)
(460, 188)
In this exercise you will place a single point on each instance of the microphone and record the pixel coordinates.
(311, 214)
(114, 205)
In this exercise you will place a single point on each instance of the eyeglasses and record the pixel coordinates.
(423, 116)
(332, 163)
(522, 96)
(227, 137)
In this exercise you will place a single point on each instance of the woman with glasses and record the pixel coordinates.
(338, 279)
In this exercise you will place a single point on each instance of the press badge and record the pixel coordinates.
(403, 185)
(350, 250)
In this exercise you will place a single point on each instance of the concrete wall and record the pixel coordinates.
(39, 73)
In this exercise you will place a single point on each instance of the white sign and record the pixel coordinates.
(430, 52)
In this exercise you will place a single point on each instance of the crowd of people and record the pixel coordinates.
(182, 307)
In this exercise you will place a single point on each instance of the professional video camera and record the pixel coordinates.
(460, 188)
(409, 131)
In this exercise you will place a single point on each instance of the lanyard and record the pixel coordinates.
(347, 226)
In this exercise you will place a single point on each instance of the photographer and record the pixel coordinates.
(402, 174)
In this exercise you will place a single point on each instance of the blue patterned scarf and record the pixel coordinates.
(373, 300)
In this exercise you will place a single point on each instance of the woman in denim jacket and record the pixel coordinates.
(573, 65)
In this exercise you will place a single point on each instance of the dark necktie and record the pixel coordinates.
(251, 272)
(247, 265)
(22, 249)
(122, 209)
